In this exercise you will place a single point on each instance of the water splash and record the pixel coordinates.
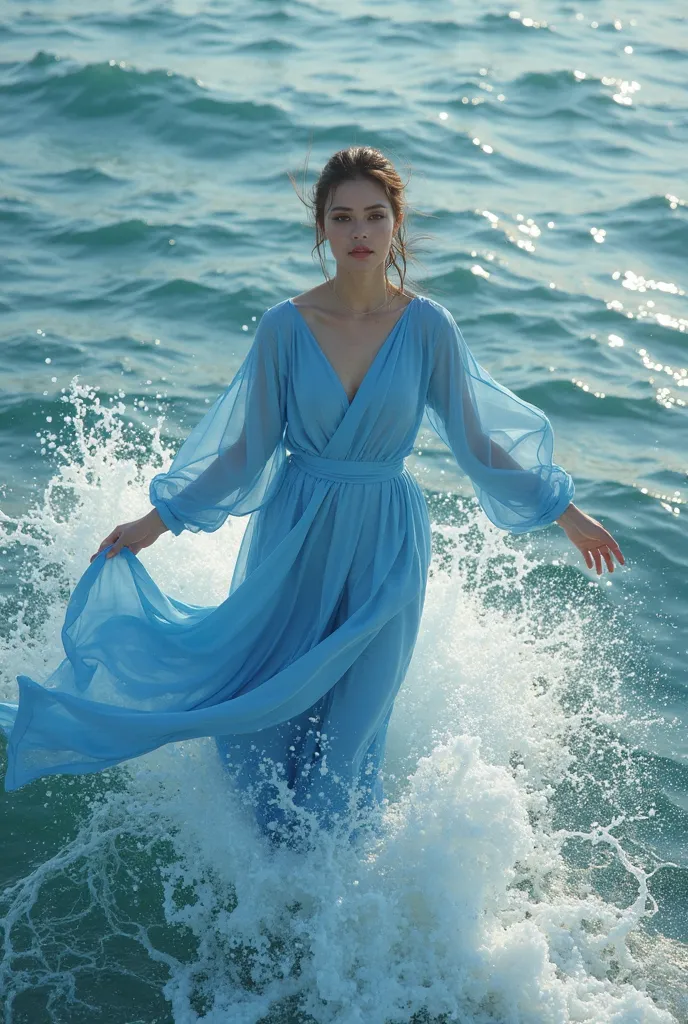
(480, 899)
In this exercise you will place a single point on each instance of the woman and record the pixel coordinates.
(296, 672)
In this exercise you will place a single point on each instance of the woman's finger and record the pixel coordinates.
(110, 539)
(103, 545)
(611, 544)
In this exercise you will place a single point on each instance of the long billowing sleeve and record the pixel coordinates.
(229, 460)
(503, 443)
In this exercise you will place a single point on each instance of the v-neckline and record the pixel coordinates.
(350, 401)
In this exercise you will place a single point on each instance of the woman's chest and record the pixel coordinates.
(351, 351)
(385, 394)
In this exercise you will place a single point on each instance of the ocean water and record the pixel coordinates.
(535, 865)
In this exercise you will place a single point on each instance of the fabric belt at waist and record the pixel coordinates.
(347, 470)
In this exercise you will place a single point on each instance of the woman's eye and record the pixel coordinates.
(341, 216)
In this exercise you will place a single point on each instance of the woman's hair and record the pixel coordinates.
(348, 165)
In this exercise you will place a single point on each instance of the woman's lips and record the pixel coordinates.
(360, 254)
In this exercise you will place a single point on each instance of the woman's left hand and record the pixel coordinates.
(591, 539)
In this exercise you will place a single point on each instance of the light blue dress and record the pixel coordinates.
(302, 661)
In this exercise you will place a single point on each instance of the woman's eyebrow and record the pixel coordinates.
(375, 206)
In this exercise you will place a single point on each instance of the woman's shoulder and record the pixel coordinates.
(435, 311)
(273, 313)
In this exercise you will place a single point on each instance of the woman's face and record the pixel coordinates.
(358, 213)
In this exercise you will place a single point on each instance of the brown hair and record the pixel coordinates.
(348, 165)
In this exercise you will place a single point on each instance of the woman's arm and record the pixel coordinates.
(467, 407)
(228, 462)
(501, 442)
(586, 533)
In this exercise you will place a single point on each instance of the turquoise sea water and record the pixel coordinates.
(538, 870)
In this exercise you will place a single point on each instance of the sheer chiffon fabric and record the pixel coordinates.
(301, 663)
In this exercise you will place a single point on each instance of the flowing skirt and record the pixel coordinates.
(295, 672)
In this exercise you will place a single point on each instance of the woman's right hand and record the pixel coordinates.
(140, 533)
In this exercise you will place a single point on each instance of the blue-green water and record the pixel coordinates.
(146, 221)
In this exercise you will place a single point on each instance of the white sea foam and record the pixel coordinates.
(475, 904)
